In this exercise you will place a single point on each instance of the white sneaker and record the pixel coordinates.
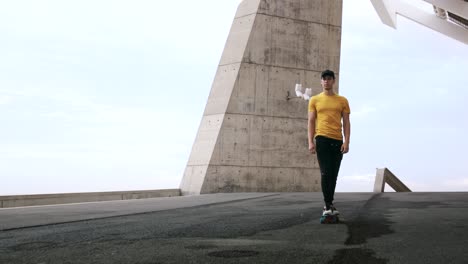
(327, 212)
(331, 211)
(335, 212)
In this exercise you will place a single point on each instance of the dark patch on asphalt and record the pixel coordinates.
(356, 255)
(368, 222)
(233, 253)
(391, 204)
(371, 221)
(359, 231)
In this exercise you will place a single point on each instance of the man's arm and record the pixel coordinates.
(311, 133)
(347, 132)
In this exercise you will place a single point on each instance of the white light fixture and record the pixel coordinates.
(308, 94)
(298, 90)
(300, 94)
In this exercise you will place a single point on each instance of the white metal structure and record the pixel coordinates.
(450, 17)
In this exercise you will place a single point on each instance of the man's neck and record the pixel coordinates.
(328, 92)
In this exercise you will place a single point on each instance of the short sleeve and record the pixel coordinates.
(346, 108)
(312, 104)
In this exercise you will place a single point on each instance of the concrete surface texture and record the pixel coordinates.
(251, 138)
(242, 228)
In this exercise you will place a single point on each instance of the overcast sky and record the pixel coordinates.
(108, 95)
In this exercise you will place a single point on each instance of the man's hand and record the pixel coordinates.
(312, 148)
(345, 148)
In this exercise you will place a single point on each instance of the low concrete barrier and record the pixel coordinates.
(386, 176)
(64, 198)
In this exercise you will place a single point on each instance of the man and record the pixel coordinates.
(327, 110)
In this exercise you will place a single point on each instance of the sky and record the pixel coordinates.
(108, 95)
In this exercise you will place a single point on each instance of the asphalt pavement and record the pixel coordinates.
(241, 228)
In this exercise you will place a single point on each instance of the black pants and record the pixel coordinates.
(329, 157)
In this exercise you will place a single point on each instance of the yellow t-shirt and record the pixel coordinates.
(329, 109)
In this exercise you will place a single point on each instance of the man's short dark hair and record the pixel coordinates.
(327, 73)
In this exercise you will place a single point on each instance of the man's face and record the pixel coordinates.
(327, 82)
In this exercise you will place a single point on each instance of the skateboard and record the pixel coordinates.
(329, 219)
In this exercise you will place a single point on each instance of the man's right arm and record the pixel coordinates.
(311, 131)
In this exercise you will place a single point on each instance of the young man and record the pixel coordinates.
(327, 110)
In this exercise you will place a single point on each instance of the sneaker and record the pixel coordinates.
(334, 211)
(327, 212)
(331, 211)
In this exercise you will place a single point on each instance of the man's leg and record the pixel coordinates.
(324, 157)
(329, 157)
(336, 157)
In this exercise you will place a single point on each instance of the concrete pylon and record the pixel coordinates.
(251, 137)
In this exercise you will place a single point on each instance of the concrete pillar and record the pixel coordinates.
(251, 138)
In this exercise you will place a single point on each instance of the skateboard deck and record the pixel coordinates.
(329, 219)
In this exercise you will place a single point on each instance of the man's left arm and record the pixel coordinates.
(346, 131)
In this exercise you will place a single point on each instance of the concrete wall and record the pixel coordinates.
(251, 138)
(64, 198)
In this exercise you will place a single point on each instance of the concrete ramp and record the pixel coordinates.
(242, 228)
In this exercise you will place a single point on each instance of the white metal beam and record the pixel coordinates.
(457, 7)
(387, 11)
